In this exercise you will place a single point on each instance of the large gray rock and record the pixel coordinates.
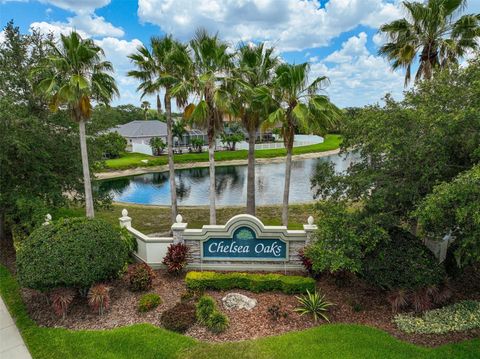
(238, 301)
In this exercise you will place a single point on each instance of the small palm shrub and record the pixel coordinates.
(139, 277)
(421, 299)
(205, 308)
(314, 304)
(99, 298)
(276, 312)
(217, 322)
(179, 318)
(398, 299)
(176, 258)
(148, 302)
(61, 299)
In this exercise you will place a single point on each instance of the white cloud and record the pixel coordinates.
(85, 24)
(117, 51)
(356, 76)
(78, 6)
(379, 39)
(352, 48)
(85, 21)
(288, 24)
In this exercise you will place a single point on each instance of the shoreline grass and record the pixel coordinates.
(156, 219)
(133, 159)
(148, 341)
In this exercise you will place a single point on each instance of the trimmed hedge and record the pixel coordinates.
(249, 281)
(74, 252)
(403, 262)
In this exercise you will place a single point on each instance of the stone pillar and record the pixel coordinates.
(125, 220)
(309, 229)
(177, 229)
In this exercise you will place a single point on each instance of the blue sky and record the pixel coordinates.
(337, 37)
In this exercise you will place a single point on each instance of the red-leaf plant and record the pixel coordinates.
(61, 299)
(176, 257)
(99, 298)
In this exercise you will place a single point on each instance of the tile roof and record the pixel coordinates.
(150, 128)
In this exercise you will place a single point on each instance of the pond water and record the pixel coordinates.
(231, 184)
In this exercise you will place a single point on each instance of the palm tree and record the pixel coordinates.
(255, 67)
(297, 104)
(432, 32)
(179, 129)
(145, 107)
(212, 64)
(161, 68)
(74, 75)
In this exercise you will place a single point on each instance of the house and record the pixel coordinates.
(138, 134)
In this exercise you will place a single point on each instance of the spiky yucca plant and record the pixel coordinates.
(313, 303)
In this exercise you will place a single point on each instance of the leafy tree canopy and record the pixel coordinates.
(455, 207)
(406, 148)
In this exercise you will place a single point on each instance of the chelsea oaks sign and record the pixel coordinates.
(244, 245)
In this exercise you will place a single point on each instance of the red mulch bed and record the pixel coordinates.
(354, 301)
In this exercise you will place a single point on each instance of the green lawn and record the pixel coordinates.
(154, 219)
(132, 160)
(147, 341)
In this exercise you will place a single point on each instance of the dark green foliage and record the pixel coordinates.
(148, 302)
(75, 252)
(139, 277)
(453, 207)
(406, 148)
(253, 282)
(197, 144)
(359, 235)
(403, 262)
(217, 322)
(179, 318)
(205, 308)
(158, 145)
(111, 145)
(106, 117)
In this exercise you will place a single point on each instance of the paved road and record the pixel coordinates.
(12, 345)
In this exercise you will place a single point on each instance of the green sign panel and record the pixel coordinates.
(244, 244)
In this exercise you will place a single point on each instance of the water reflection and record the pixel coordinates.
(192, 185)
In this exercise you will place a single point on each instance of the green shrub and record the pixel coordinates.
(139, 277)
(253, 282)
(314, 304)
(403, 262)
(179, 318)
(460, 316)
(74, 252)
(205, 308)
(148, 302)
(217, 322)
